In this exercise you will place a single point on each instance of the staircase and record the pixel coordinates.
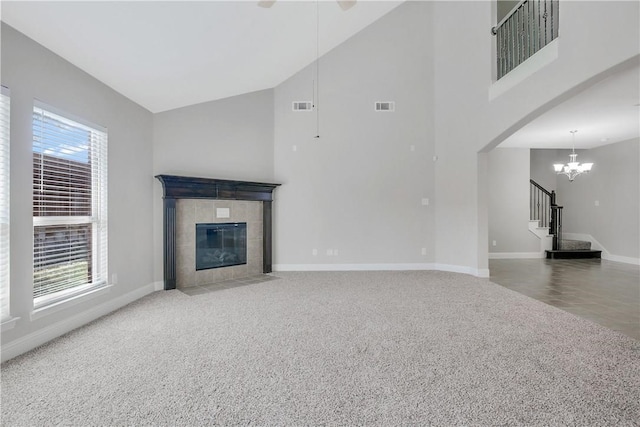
(546, 216)
(573, 249)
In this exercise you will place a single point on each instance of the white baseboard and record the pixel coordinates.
(382, 267)
(478, 272)
(598, 247)
(30, 341)
(483, 273)
(515, 255)
(352, 267)
(618, 258)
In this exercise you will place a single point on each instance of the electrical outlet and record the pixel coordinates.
(314, 252)
(330, 252)
(597, 203)
(423, 251)
(494, 243)
(335, 252)
(425, 202)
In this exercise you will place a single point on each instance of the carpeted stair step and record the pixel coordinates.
(572, 245)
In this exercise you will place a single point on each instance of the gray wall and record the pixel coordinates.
(230, 138)
(614, 183)
(358, 188)
(504, 7)
(509, 202)
(32, 72)
(542, 171)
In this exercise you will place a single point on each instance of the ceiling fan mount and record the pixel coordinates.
(344, 4)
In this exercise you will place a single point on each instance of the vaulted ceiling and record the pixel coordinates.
(169, 54)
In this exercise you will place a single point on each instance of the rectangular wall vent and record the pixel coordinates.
(388, 106)
(302, 106)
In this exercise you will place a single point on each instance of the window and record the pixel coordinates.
(69, 207)
(4, 205)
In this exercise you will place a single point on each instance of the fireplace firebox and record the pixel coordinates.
(221, 245)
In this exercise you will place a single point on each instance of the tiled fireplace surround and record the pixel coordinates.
(188, 201)
(191, 212)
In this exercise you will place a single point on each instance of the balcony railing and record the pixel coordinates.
(530, 26)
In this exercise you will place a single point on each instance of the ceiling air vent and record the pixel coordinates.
(302, 106)
(388, 106)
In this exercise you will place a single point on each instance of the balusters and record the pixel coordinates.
(541, 203)
(530, 26)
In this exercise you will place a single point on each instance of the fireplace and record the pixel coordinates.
(221, 245)
(203, 198)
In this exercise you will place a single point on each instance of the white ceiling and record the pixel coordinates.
(169, 54)
(605, 113)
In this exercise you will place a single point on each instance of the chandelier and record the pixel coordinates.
(573, 168)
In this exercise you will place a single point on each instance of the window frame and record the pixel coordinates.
(5, 220)
(99, 209)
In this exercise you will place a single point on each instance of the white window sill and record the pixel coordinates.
(68, 302)
(9, 324)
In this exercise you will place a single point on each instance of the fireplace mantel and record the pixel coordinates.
(184, 187)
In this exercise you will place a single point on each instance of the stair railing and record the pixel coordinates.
(543, 208)
(530, 26)
(540, 202)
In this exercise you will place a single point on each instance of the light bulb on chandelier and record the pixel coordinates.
(573, 168)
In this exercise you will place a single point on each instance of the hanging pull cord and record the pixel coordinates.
(317, 80)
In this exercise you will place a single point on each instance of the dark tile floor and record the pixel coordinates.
(227, 284)
(601, 291)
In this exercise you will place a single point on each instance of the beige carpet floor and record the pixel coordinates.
(348, 348)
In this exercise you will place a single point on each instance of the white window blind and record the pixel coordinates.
(4, 204)
(69, 206)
